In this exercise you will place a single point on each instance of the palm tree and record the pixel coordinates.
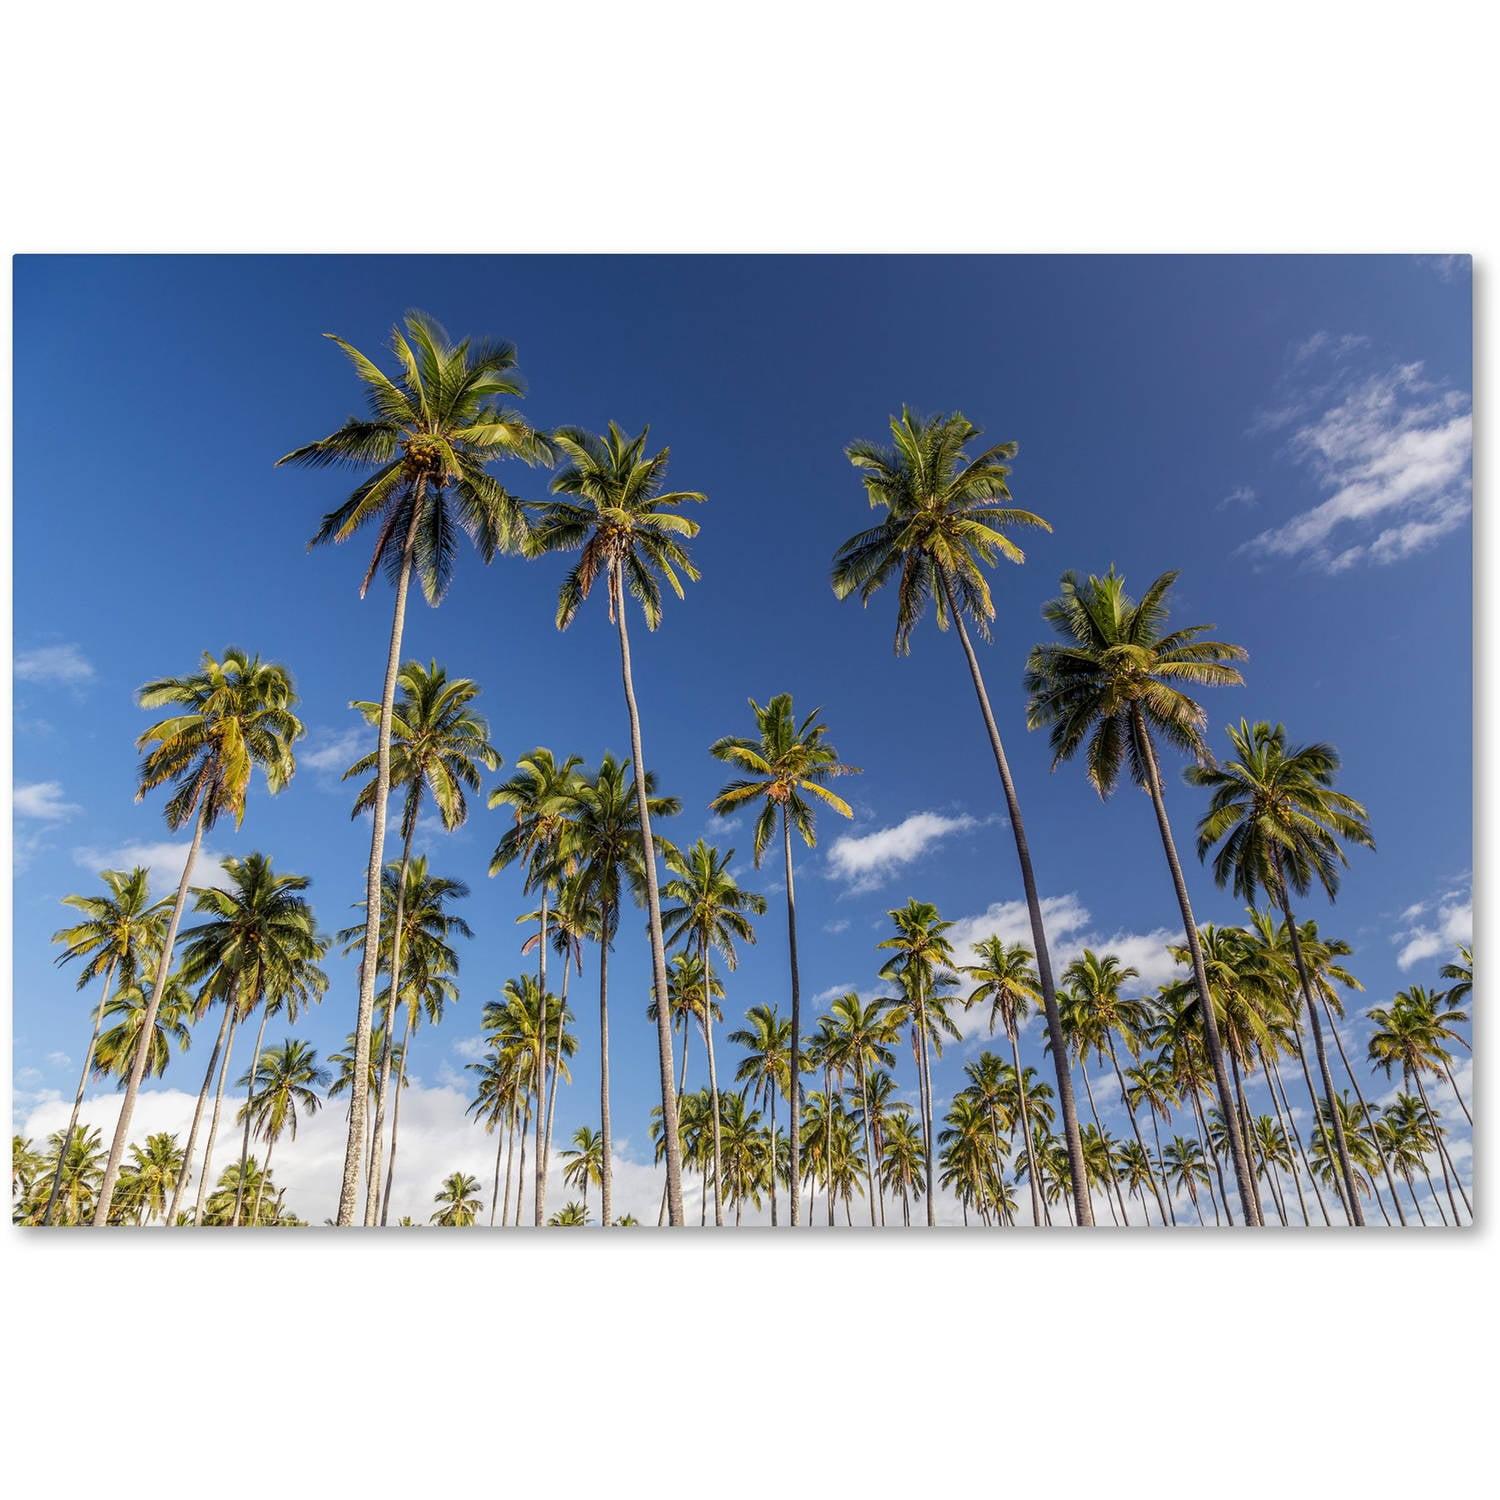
(429, 434)
(785, 761)
(260, 947)
(1278, 822)
(458, 1202)
(147, 1181)
(603, 842)
(766, 1068)
(901, 1160)
(540, 796)
(710, 912)
(1114, 681)
(1407, 1141)
(945, 511)
(1462, 974)
(26, 1166)
(438, 745)
(1150, 1083)
(861, 1039)
(287, 1077)
(1006, 979)
(119, 935)
(625, 525)
(120, 1044)
(923, 957)
(1182, 1162)
(570, 1216)
(495, 1103)
(1407, 1036)
(231, 716)
(584, 1164)
(416, 941)
(81, 1160)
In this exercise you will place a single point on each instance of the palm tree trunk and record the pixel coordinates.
(521, 1174)
(653, 910)
(1109, 1167)
(1244, 1177)
(1271, 1082)
(495, 1191)
(185, 1172)
(541, 1076)
(1135, 1130)
(213, 1122)
(794, 1141)
(510, 1156)
(1291, 1121)
(864, 1109)
(1242, 1110)
(1452, 1084)
(924, 1088)
(83, 1078)
(390, 1166)
(1321, 1124)
(260, 1185)
(148, 1021)
(1082, 1207)
(1416, 1202)
(239, 1190)
(713, 1077)
(771, 1090)
(828, 1142)
(606, 1137)
(1444, 1160)
(1364, 1108)
(1346, 1169)
(557, 1049)
(1156, 1135)
(1207, 1148)
(359, 1084)
(372, 1191)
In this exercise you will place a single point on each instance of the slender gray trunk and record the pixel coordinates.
(185, 1172)
(83, 1078)
(794, 1101)
(260, 1185)
(557, 1052)
(653, 912)
(606, 1129)
(1291, 1120)
(540, 1194)
(1444, 1160)
(1364, 1108)
(359, 1085)
(864, 1109)
(390, 1167)
(1135, 1130)
(713, 1077)
(1083, 1209)
(148, 1021)
(1037, 1211)
(213, 1123)
(1271, 1082)
(1111, 1181)
(260, 1036)
(1244, 1177)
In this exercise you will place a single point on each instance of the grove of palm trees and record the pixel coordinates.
(1006, 1070)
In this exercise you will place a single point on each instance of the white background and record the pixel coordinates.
(413, 1363)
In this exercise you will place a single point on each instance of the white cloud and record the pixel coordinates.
(54, 664)
(1448, 267)
(841, 924)
(866, 861)
(164, 860)
(44, 801)
(1391, 450)
(334, 750)
(59, 1059)
(1435, 929)
(1070, 929)
(1240, 495)
(471, 1048)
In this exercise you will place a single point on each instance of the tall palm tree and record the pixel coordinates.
(923, 957)
(428, 436)
(118, 936)
(604, 843)
(148, 1178)
(417, 955)
(120, 1044)
(624, 523)
(710, 912)
(766, 1068)
(288, 1078)
(1115, 682)
(584, 1163)
(80, 1154)
(230, 716)
(438, 747)
(945, 514)
(1406, 1035)
(540, 795)
(902, 1159)
(1182, 1163)
(1005, 978)
(1407, 1140)
(1461, 972)
(1278, 823)
(861, 1040)
(259, 948)
(784, 761)
(458, 1202)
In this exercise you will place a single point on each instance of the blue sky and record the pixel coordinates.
(1292, 433)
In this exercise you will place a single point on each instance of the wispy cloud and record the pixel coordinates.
(65, 664)
(1391, 449)
(1434, 928)
(44, 801)
(866, 861)
(333, 751)
(1240, 495)
(840, 924)
(1449, 267)
(164, 860)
